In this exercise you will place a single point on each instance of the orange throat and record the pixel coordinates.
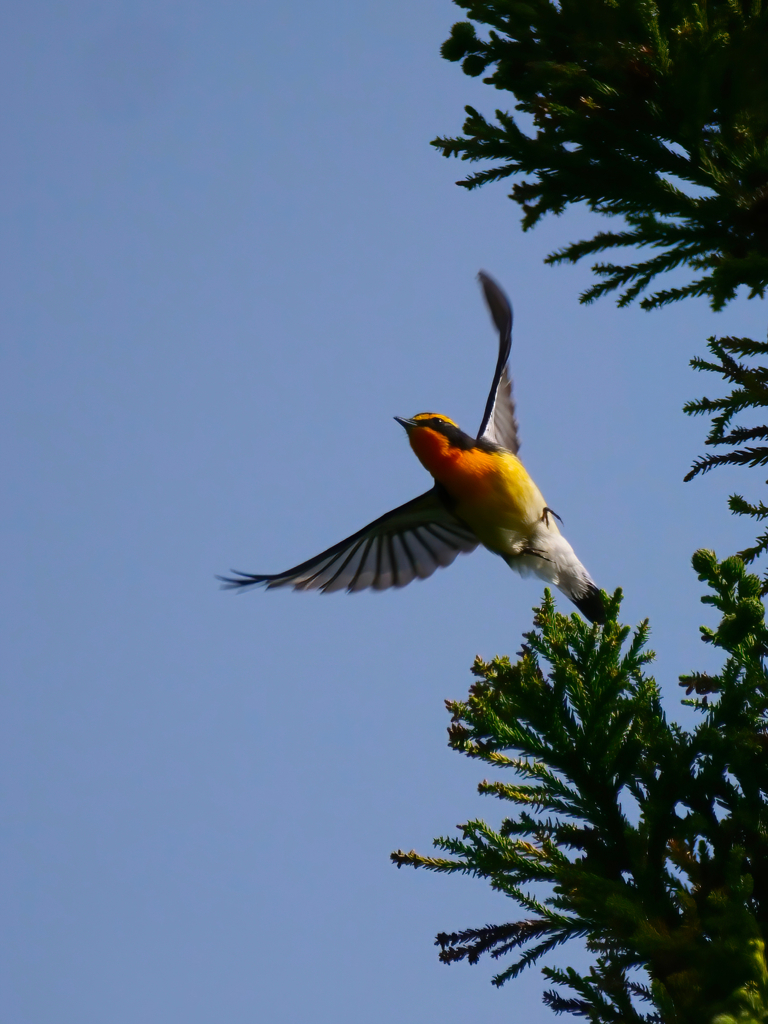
(465, 473)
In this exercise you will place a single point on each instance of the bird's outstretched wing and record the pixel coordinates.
(409, 542)
(499, 424)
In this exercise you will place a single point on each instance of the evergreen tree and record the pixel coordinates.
(625, 98)
(646, 840)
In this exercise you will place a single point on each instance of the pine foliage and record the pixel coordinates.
(742, 444)
(645, 840)
(655, 112)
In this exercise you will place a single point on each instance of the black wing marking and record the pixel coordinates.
(499, 424)
(409, 542)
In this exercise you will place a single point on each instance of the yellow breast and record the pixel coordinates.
(492, 490)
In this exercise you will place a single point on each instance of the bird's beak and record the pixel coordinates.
(408, 424)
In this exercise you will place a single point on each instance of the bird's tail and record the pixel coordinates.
(590, 604)
(551, 558)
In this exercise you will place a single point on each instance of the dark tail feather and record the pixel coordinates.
(591, 605)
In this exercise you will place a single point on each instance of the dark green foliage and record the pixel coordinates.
(749, 390)
(645, 840)
(654, 112)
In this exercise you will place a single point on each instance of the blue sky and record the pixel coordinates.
(230, 258)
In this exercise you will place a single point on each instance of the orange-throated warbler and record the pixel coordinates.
(482, 495)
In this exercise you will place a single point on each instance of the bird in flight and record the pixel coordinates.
(482, 494)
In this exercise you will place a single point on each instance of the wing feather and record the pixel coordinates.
(409, 542)
(366, 573)
(499, 423)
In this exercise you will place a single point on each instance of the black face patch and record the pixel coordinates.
(456, 436)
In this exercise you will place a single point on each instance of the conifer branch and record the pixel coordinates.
(654, 113)
(645, 841)
(679, 891)
(749, 390)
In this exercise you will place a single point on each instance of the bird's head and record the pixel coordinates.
(428, 421)
(435, 439)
